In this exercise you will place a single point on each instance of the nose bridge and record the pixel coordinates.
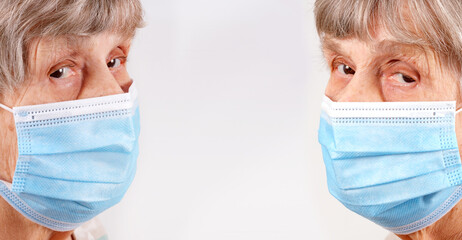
(99, 81)
(363, 87)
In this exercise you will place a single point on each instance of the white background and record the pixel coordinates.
(230, 99)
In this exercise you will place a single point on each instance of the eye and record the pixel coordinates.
(401, 78)
(63, 72)
(115, 62)
(345, 69)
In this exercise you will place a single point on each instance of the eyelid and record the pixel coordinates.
(117, 53)
(66, 63)
(398, 66)
(123, 60)
(337, 61)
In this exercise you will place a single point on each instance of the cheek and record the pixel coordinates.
(334, 87)
(441, 89)
(41, 88)
(123, 78)
(43, 91)
(8, 147)
(121, 75)
(393, 93)
(65, 91)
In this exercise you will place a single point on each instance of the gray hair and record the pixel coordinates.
(22, 21)
(430, 24)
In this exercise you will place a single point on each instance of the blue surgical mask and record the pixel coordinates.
(395, 163)
(76, 158)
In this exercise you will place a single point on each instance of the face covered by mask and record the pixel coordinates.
(75, 158)
(395, 163)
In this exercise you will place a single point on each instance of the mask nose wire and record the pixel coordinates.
(6, 108)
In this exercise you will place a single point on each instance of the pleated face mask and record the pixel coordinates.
(395, 163)
(76, 158)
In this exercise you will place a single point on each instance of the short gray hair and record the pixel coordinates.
(22, 21)
(431, 24)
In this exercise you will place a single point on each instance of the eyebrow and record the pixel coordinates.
(390, 47)
(385, 47)
(328, 44)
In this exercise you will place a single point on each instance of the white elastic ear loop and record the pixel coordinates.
(6, 108)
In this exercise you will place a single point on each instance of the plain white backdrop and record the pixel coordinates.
(230, 94)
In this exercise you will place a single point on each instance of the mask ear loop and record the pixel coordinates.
(6, 108)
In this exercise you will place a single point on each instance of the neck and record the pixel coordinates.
(15, 226)
(449, 227)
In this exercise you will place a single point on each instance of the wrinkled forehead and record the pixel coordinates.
(70, 43)
(384, 45)
(76, 41)
(417, 25)
(47, 50)
(406, 22)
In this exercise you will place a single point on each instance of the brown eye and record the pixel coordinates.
(115, 62)
(63, 72)
(345, 69)
(403, 78)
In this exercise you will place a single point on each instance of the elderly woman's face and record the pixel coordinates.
(385, 70)
(64, 69)
(74, 68)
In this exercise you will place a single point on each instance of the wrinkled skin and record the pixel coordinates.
(381, 70)
(61, 69)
